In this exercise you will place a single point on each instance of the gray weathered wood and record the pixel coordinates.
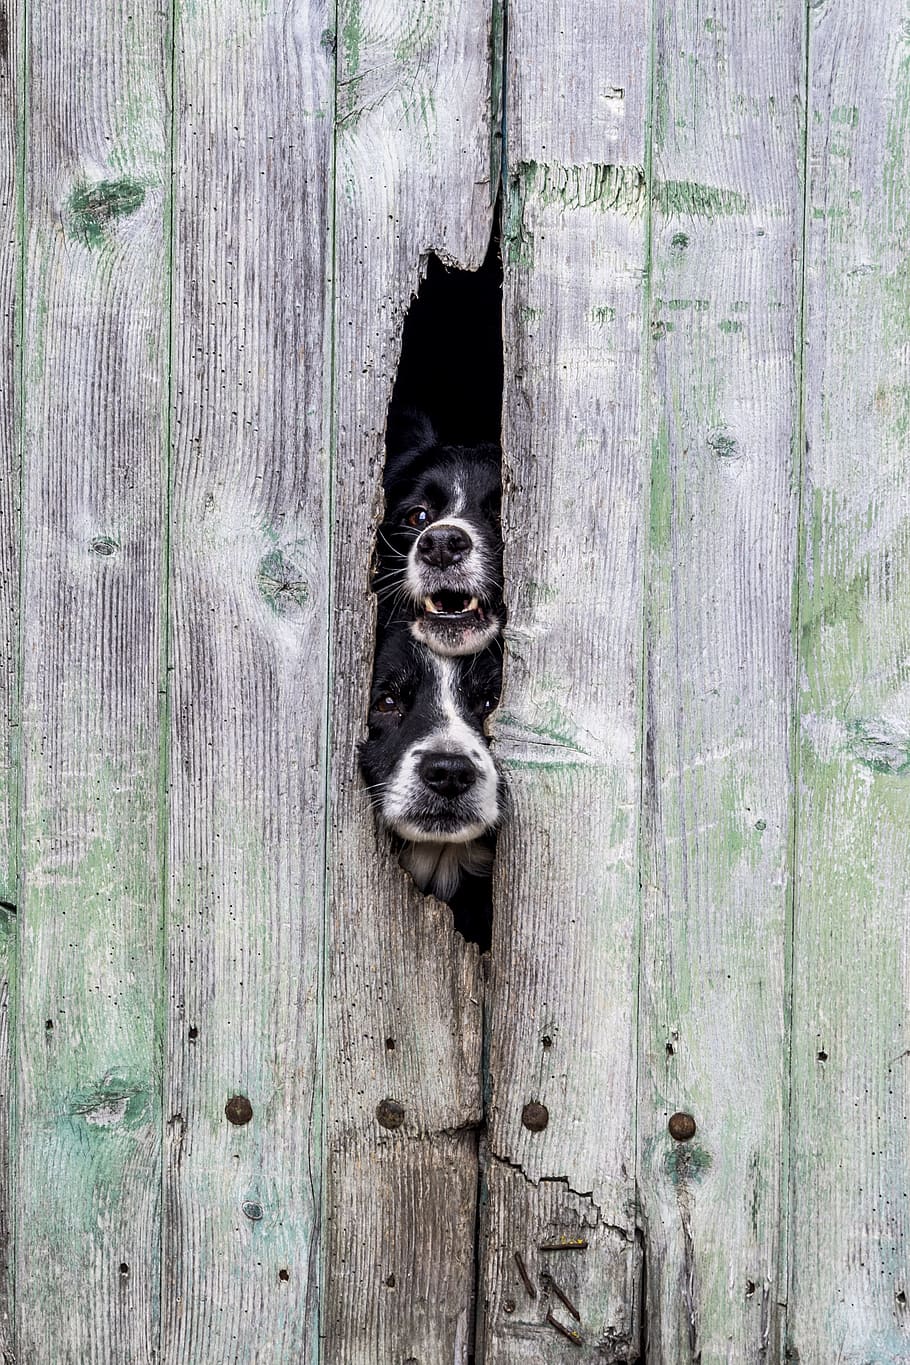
(10, 264)
(89, 1123)
(850, 1135)
(724, 401)
(562, 1007)
(174, 840)
(404, 995)
(249, 555)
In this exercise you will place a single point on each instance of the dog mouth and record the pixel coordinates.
(453, 606)
(455, 623)
(450, 826)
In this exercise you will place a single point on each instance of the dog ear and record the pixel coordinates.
(409, 437)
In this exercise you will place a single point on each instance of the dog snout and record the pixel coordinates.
(448, 775)
(442, 546)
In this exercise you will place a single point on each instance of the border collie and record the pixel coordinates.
(426, 761)
(440, 545)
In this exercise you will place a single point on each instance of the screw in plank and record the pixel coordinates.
(238, 1110)
(390, 1114)
(535, 1116)
(682, 1127)
(565, 1244)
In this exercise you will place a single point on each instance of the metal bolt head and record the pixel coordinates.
(535, 1116)
(390, 1114)
(238, 1110)
(682, 1127)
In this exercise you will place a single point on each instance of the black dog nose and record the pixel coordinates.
(441, 546)
(448, 774)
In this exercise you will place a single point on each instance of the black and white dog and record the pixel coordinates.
(438, 668)
(428, 768)
(440, 545)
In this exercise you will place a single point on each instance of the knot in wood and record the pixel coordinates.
(105, 546)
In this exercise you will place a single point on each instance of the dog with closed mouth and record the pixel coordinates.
(440, 543)
(428, 768)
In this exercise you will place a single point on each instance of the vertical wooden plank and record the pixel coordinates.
(851, 1142)
(10, 267)
(726, 229)
(563, 999)
(253, 103)
(404, 996)
(89, 1130)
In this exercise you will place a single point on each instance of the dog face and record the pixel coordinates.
(441, 545)
(426, 760)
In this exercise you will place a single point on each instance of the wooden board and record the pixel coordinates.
(851, 1143)
(89, 985)
(724, 396)
(249, 557)
(562, 1000)
(404, 997)
(10, 267)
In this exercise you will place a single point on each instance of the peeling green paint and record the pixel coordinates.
(619, 188)
(115, 1101)
(880, 746)
(517, 241)
(700, 201)
(351, 33)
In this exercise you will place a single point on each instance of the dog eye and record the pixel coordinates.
(418, 517)
(386, 704)
(487, 705)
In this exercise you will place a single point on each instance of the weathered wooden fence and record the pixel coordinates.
(214, 221)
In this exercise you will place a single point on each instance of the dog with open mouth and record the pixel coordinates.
(440, 544)
(428, 768)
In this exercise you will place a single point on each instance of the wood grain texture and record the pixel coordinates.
(562, 1001)
(726, 234)
(851, 1141)
(10, 268)
(249, 556)
(404, 995)
(89, 1063)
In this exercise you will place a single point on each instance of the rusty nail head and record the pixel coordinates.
(535, 1117)
(390, 1113)
(238, 1110)
(682, 1127)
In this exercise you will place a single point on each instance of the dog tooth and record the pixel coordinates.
(473, 604)
(428, 605)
